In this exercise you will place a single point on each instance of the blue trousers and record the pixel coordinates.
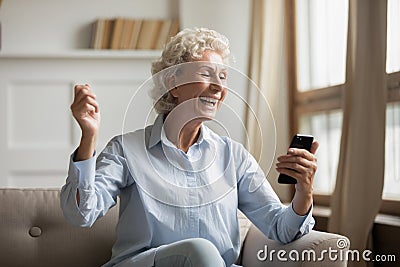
(194, 252)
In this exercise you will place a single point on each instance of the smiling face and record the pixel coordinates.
(201, 86)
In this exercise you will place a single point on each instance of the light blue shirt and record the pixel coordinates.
(167, 195)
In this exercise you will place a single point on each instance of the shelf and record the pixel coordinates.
(322, 211)
(83, 54)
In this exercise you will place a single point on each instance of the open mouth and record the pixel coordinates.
(211, 102)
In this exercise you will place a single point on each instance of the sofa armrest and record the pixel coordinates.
(314, 249)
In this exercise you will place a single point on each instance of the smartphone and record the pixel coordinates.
(299, 141)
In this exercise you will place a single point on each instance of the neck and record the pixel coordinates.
(183, 134)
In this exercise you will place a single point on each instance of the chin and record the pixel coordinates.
(207, 115)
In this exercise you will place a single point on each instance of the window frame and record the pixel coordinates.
(323, 99)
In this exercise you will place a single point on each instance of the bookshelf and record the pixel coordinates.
(128, 33)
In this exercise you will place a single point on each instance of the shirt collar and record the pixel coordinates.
(157, 132)
(155, 135)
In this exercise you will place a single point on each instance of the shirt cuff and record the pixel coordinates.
(296, 221)
(82, 172)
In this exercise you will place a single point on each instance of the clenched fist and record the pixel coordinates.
(86, 112)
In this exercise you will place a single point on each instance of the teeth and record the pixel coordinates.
(210, 100)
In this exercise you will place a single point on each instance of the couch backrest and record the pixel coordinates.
(33, 232)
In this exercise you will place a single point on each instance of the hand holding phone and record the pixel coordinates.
(299, 141)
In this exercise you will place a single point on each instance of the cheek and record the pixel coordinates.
(222, 98)
(195, 90)
(187, 92)
(224, 93)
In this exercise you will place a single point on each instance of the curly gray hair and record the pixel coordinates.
(188, 45)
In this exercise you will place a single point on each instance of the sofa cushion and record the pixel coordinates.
(34, 232)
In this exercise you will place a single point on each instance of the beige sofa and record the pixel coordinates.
(33, 232)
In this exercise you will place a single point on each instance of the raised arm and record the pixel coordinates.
(86, 112)
(92, 184)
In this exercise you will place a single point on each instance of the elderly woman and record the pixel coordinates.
(173, 209)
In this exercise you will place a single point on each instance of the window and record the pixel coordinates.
(391, 190)
(327, 126)
(320, 44)
(393, 37)
(317, 41)
(392, 159)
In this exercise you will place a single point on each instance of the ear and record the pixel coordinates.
(174, 92)
(170, 82)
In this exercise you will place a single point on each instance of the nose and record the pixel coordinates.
(217, 84)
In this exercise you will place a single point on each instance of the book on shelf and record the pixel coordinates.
(130, 33)
(156, 33)
(163, 34)
(117, 33)
(134, 36)
(107, 33)
(126, 32)
(169, 29)
(148, 34)
(97, 34)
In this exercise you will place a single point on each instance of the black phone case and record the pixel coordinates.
(298, 141)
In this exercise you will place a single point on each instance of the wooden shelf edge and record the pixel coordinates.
(82, 54)
(385, 219)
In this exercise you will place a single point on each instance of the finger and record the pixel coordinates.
(293, 166)
(310, 169)
(290, 173)
(85, 97)
(82, 109)
(301, 153)
(85, 105)
(90, 100)
(80, 88)
(295, 159)
(314, 147)
(90, 108)
(83, 92)
(299, 159)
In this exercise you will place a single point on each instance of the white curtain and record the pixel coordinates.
(267, 70)
(357, 196)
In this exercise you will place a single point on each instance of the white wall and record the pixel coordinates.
(38, 133)
(54, 25)
(231, 18)
(48, 26)
(44, 42)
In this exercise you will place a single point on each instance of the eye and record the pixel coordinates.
(222, 76)
(204, 74)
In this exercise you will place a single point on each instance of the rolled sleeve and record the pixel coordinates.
(98, 181)
(81, 175)
(297, 222)
(84, 172)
